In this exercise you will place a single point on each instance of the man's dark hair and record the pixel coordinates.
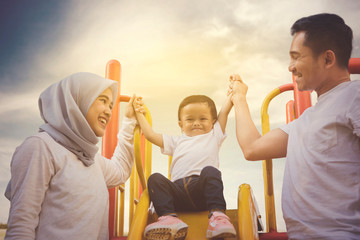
(198, 99)
(326, 32)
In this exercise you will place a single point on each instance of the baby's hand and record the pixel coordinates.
(235, 77)
(232, 79)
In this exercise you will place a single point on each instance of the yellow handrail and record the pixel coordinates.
(138, 159)
(148, 148)
(267, 163)
(141, 170)
(247, 215)
(140, 218)
(267, 167)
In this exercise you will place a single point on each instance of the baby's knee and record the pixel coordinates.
(155, 178)
(210, 171)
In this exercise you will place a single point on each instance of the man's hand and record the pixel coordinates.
(237, 87)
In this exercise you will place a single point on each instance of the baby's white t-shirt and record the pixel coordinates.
(192, 154)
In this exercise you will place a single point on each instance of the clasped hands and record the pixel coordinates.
(237, 88)
(138, 105)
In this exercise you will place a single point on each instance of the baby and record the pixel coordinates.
(196, 183)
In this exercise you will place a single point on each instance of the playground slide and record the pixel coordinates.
(246, 214)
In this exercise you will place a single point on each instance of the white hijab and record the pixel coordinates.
(64, 106)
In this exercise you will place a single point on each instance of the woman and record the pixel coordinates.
(58, 186)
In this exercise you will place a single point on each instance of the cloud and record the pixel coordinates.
(19, 115)
(25, 27)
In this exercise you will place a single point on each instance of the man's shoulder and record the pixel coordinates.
(351, 92)
(353, 85)
(342, 92)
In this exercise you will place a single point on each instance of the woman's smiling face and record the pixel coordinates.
(99, 113)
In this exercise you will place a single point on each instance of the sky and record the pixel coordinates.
(168, 50)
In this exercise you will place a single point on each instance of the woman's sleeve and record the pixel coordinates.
(31, 171)
(118, 169)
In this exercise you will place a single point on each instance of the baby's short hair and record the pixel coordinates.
(198, 99)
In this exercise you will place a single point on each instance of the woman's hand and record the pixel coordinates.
(129, 111)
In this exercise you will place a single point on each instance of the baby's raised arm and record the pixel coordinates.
(147, 130)
(224, 112)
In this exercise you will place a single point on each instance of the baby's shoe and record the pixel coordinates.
(165, 227)
(220, 226)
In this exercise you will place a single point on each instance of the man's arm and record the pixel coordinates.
(254, 146)
(224, 112)
(147, 130)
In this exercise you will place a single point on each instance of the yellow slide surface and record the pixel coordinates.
(245, 219)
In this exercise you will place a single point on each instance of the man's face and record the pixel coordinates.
(304, 66)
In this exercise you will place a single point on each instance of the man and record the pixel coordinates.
(321, 189)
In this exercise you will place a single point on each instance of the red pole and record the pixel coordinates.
(354, 65)
(290, 111)
(109, 141)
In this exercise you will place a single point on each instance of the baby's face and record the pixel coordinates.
(196, 119)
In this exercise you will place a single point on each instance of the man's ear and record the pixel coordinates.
(180, 124)
(330, 58)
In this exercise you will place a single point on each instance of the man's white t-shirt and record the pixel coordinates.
(192, 154)
(321, 189)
